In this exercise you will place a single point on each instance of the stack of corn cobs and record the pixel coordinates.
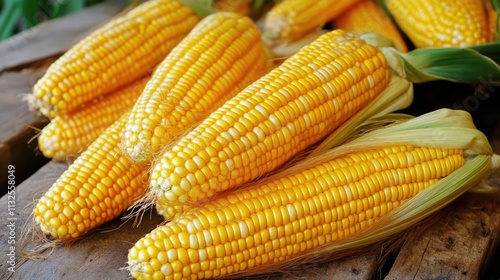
(263, 147)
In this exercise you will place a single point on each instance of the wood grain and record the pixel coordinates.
(456, 247)
(19, 126)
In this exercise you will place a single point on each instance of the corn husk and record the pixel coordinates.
(441, 128)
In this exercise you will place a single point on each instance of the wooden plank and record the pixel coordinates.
(18, 125)
(456, 247)
(353, 268)
(5, 160)
(32, 44)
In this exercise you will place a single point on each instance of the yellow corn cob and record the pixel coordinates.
(492, 16)
(241, 7)
(285, 217)
(438, 23)
(119, 52)
(70, 134)
(288, 109)
(95, 189)
(223, 54)
(290, 20)
(367, 16)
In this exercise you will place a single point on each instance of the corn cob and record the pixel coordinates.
(436, 23)
(288, 216)
(68, 135)
(95, 189)
(291, 20)
(124, 49)
(288, 109)
(367, 16)
(241, 7)
(223, 54)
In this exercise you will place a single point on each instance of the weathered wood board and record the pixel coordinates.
(456, 247)
(18, 126)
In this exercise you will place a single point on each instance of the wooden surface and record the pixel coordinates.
(18, 126)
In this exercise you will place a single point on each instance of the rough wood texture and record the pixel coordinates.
(355, 268)
(18, 125)
(456, 247)
(32, 44)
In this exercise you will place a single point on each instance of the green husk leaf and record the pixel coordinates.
(202, 8)
(490, 50)
(11, 12)
(29, 14)
(496, 5)
(454, 64)
(397, 95)
(444, 128)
